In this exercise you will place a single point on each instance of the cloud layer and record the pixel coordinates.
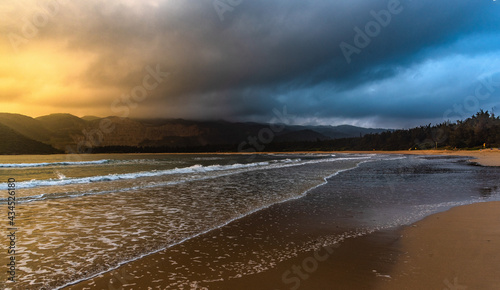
(412, 62)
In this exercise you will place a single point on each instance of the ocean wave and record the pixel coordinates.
(62, 180)
(195, 168)
(224, 169)
(230, 220)
(208, 158)
(44, 164)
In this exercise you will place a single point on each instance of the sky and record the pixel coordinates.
(371, 63)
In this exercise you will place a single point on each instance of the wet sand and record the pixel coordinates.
(449, 250)
(354, 263)
(218, 258)
(485, 157)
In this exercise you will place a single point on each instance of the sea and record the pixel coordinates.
(79, 216)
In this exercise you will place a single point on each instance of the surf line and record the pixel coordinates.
(223, 224)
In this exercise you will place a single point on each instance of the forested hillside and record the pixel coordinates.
(478, 131)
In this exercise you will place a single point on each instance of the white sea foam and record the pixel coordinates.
(113, 177)
(44, 164)
(249, 211)
(63, 180)
(182, 215)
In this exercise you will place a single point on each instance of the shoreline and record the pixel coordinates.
(453, 249)
(381, 258)
(484, 157)
(446, 250)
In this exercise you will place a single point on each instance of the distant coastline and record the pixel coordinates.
(484, 157)
(65, 133)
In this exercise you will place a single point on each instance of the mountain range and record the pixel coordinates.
(66, 133)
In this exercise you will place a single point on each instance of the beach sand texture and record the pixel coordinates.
(456, 249)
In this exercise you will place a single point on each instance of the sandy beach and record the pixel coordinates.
(485, 157)
(455, 249)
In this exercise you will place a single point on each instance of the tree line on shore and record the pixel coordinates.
(479, 131)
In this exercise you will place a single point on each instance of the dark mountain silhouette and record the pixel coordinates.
(27, 126)
(479, 131)
(64, 132)
(90, 118)
(302, 135)
(70, 133)
(63, 123)
(344, 131)
(15, 143)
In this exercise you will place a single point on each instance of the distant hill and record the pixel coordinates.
(90, 118)
(343, 131)
(27, 126)
(65, 129)
(479, 131)
(15, 143)
(63, 123)
(305, 135)
(65, 132)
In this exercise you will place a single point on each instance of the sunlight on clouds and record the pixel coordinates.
(84, 55)
(44, 75)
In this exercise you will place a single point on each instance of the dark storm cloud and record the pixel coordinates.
(267, 54)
